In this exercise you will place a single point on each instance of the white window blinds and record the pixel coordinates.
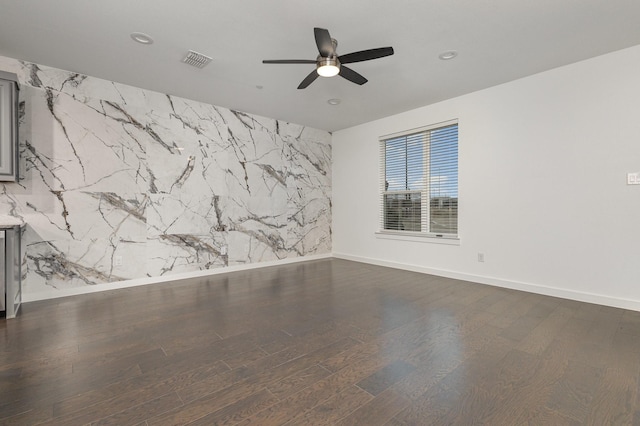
(419, 181)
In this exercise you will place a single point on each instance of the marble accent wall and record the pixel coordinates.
(120, 183)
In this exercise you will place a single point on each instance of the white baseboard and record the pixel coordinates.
(599, 299)
(53, 294)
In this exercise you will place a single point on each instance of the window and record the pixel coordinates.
(419, 181)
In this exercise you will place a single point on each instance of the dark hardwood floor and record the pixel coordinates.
(321, 342)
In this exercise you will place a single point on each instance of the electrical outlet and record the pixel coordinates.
(223, 250)
(117, 261)
(633, 178)
(480, 257)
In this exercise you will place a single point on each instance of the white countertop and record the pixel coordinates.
(7, 221)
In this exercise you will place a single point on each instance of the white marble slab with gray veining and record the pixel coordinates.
(166, 185)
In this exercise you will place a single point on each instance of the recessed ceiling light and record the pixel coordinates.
(142, 38)
(334, 101)
(450, 54)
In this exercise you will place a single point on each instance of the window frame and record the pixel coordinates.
(422, 235)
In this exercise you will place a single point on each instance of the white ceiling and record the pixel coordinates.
(497, 41)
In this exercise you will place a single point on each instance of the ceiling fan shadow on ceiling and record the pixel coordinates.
(329, 64)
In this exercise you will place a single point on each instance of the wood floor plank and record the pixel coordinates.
(126, 402)
(118, 361)
(335, 408)
(574, 391)
(542, 416)
(547, 369)
(238, 411)
(201, 400)
(630, 323)
(296, 382)
(541, 336)
(139, 413)
(154, 382)
(398, 342)
(298, 403)
(613, 403)
(430, 409)
(29, 416)
(273, 369)
(385, 377)
(377, 411)
(524, 324)
(452, 373)
(244, 358)
(474, 403)
(39, 395)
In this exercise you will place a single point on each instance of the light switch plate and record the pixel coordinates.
(633, 178)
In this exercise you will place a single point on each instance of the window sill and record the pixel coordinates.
(417, 237)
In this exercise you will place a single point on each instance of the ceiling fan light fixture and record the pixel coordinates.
(328, 67)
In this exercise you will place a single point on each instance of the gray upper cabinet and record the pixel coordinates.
(8, 127)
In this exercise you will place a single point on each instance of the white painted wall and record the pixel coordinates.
(543, 194)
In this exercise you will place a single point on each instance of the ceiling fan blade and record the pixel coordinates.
(308, 80)
(289, 61)
(323, 41)
(365, 55)
(352, 76)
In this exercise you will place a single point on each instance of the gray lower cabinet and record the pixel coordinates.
(10, 271)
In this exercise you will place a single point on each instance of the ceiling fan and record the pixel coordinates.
(329, 64)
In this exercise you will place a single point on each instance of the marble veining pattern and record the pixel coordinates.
(119, 182)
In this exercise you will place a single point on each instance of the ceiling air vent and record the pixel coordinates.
(196, 59)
